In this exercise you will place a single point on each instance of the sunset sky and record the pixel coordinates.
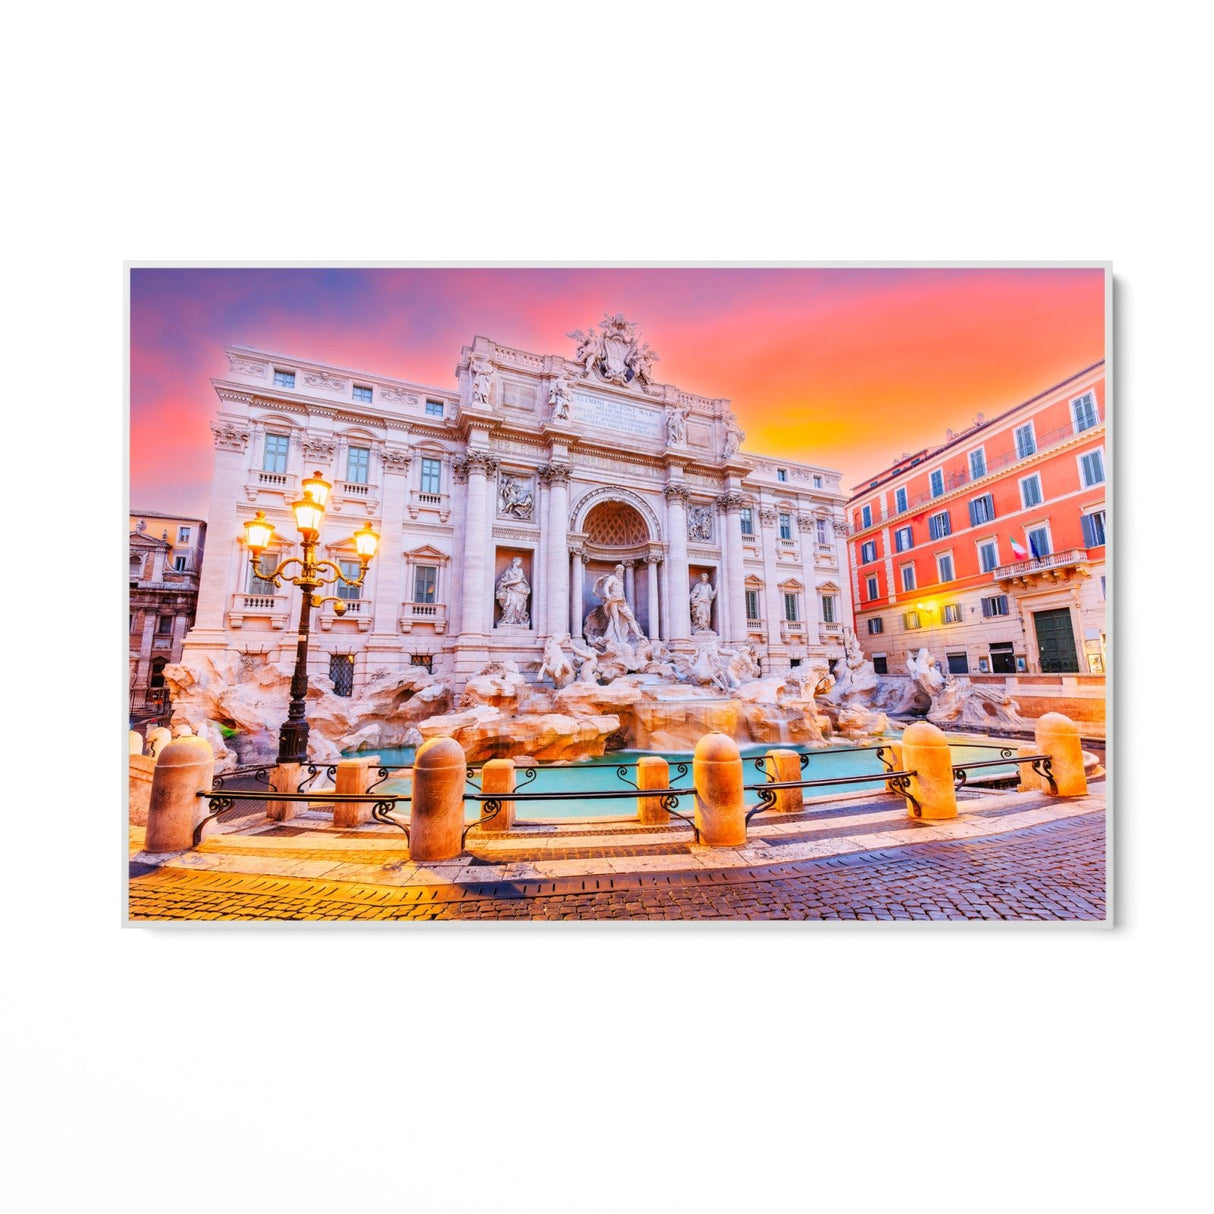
(848, 368)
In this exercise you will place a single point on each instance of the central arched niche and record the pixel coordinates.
(617, 533)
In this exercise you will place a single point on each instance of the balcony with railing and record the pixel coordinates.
(357, 611)
(356, 495)
(272, 607)
(1056, 567)
(284, 484)
(434, 614)
(437, 503)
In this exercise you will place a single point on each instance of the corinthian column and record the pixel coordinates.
(652, 561)
(475, 467)
(735, 566)
(578, 578)
(556, 594)
(679, 610)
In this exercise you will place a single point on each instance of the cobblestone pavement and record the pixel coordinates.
(1053, 871)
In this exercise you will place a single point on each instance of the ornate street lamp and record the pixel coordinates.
(312, 575)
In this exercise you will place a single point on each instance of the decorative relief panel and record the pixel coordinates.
(229, 437)
(698, 436)
(518, 395)
(516, 497)
(392, 392)
(699, 523)
(318, 379)
(247, 366)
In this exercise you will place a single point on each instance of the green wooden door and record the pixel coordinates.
(1055, 641)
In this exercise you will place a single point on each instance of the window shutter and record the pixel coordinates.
(1089, 532)
(974, 514)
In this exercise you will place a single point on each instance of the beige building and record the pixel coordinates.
(165, 559)
(504, 503)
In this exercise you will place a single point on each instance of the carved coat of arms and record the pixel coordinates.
(615, 354)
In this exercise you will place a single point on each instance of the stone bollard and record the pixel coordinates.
(1030, 781)
(652, 772)
(782, 766)
(135, 743)
(158, 739)
(1058, 737)
(497, 776)
(717, 775)
(437, 821)
(354, 776)
(284, 777)
(925, 752)
(142, 768)
(894, 755)
(183, 769)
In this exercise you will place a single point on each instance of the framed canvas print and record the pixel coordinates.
(609, 593)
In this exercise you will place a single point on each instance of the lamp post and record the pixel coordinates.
(312, 575)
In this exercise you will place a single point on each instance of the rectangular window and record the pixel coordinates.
(866, 516)
(910, 620)
(958, 663)
(284, 379)
(908, 577)
(1084, 410)
(904, 539)
(871, 588)
(179, 564)
(781, 474)
(358, 462)
(362, 393)
(183, 535)
(748, 521)
(1026, 444)
(791, 611)
(876, 625)
(937, 482)
(988, 556)
(828, 608)
(431, 475)
(1093, 529)
(425, 660)
(868, 551)
(995, 605)
(352, 570)
(982, 510)
(900, 500)
(817, 482)
(1092, 467)
(1030, 491)
(786, 526)
(940, 525)
(164, 625)
(434, 408)
(275, 458)
(261, 585)
(952, 613)
(977, 464)
(880, 663)
(944, 567)
(1039, 541)
(425, 583)
(822, 536)
(752, 604)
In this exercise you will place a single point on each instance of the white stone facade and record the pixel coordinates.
(572, 467)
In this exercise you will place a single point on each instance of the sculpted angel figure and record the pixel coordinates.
(643, 359)
(588, 347)
(734, 437)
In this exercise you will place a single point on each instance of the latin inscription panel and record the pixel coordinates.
(616, 415)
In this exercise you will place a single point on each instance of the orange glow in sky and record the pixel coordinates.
(846, 368)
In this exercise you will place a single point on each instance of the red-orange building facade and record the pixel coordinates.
(935, 539)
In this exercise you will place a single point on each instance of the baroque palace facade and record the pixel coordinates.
(990, 549)
(503, 503)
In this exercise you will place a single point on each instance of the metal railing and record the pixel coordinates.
(668, 798)
(1041, 764)
(219, 802)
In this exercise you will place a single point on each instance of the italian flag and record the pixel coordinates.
(1018, 551)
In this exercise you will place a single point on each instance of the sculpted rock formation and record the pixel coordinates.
(251, 696)
(956, 701)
